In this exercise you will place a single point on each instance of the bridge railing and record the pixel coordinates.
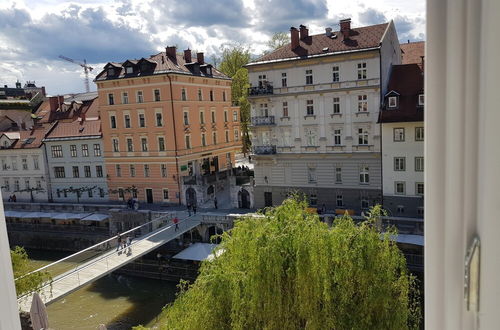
(75, 262)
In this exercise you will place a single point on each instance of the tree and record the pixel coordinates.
(31, 190)
(288, 270)
(279, 39)
(132, 190)
(26, 282)
(78, 191)
(234, 57)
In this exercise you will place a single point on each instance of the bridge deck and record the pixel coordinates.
(105, 264)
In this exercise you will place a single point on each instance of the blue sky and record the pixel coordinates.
(33, 33)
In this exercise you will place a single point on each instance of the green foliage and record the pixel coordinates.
(288, 270)
(279, 39)
(234, 57)
(26, 282)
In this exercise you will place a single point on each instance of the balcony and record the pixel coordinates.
(260, 90)
(262, 120)
(264, 150)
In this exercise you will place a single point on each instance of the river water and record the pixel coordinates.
(118, 301)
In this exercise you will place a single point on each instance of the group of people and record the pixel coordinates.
(123, 243)
(133, 203)
(191, 208)
(12, 198)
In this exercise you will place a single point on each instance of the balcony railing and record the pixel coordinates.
(262, 120)
(264, 150)
(261, 90)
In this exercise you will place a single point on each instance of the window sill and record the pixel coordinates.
(309, 116)
(359, 113)
(335, 115)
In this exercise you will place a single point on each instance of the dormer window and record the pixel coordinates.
(209, 71)
(420, 99)
(111, 72)
(393, 101)
(129, 69)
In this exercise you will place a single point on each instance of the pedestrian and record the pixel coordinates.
(119, 242)
(194, 208)
(129, 240)
(14, 199)
(215, 202)
(158, 257)
(176, 222)
(10, 198)
(189, 209)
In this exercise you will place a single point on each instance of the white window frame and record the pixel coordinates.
(398, 184)
(363, 137)
(417, 186)
(421, 99)
(419, 134)
(363, 103)
(336, 105)
(364, 175)
(335, 73)
(419, 164)
(125, 98)
(139, 97)
(309, 77)
(311, 174)
(398, 134)
(310, 107)
(392, 101)
(362, 71)
(399, 164)
(337, 137)
(338, 175)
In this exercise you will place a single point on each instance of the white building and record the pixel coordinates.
(315, 105)
(402, 123)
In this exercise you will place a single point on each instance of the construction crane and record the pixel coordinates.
(86, 69)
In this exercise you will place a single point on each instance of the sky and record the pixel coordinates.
(33, 33)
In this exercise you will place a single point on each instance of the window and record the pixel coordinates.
(132, 170)
(111, 72)
(146, 170)
(313, 199)
(420, 211)
(86, 170)
(419, 164)
(399, 163)
(202, 117)
(311, 174)
(419, 188)
(399, 188)
(340, 200)
(85, 150)
(399, 134)
(57, 151)
(186, 118)
(157, 95)
(38, 184)
(27, 184)
(283, 79)
(140, 97)
(24, 163)
(76, 172)
(159, 119)
(203, 139)
(125, 98)
(36, 166)
(225, 116)
(98, 171)
(213, 117)
(262, 80)
(285, 109)
(421, 99)
(200, 95)
(17, 187)
(101, 192)
(362, 70)
(118, 169)
(59, 172)
(97, 150)
(6, 185)
(236, 135)
(336, 74)
(161, 143)
(90, 192)
(419, 133)
(4, 165)
(309, 77)
(336, 105)
(337, 137)
(211, 93)
(121, 193)
(311, 137)
(235, 115)
(362, 136)
(14, 164)
(65, 191)
(142, 120)
(165, 194)
(227, 135)
(130, 145)
(163, 170)
(129, 69)
(393, 101)
(187, 139)
(111, 99)
(364, 175)
(127, 121)
(183, 95)
(224, 96)
(112, 121)
(116, 147)
(362, 103)
(310, 108)
(214, 137)
(365, 203)
(144, 144)
(338, 175)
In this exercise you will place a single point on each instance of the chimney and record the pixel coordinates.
(345, 27)
(294, 36)
(82, 118)
(328, 32)
(304, 32)
(18, 84)
(187, 55)
(53, 103)
(422, 61)
(200, 58)
(171, 52)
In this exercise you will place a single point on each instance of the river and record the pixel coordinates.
(117, 301)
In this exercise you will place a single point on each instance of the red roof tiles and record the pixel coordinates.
(412, 52)
(76, 129)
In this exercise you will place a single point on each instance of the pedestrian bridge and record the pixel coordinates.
(73, 272)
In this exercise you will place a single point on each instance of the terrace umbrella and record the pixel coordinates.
(38, 313)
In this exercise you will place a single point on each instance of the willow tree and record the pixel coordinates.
(26, 281)
(288, 270)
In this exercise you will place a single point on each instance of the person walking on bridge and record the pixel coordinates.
(176, 222)
(119, 242)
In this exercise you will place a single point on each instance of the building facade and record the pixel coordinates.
(315, 105)
(402, 120)
(167, 120)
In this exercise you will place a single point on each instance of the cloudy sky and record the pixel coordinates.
(33, 33)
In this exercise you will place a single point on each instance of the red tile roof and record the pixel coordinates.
(76, 129)
(360, 38)
(32, 138)
(408, 81)
(67, 110)
(412, 52)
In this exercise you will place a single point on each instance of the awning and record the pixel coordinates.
(410, 239)
(96, 217)
(197, 252)
(14, 214)
(67, 216)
